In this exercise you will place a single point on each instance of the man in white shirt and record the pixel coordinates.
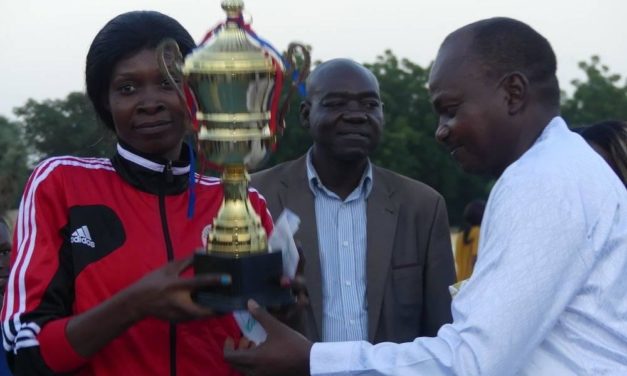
(548, 295)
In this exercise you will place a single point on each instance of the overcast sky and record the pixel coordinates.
(43, 43)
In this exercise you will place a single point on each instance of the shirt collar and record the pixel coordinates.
(155, 164)
(316, 186)
(149, 173)
(555, 125)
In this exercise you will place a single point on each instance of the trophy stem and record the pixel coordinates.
(235, 79)
(237, 230)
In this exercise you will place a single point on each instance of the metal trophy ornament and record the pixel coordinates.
(232, 86)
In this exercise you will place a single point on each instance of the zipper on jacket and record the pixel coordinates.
(167, 171)
(169, 178)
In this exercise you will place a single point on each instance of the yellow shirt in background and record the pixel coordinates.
(466, 253)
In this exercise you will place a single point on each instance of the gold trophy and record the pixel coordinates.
(232, 84)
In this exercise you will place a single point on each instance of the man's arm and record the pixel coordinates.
(532, 263)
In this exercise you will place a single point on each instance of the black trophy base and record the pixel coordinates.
(255, 276)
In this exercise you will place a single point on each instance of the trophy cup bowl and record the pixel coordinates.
(234, 82)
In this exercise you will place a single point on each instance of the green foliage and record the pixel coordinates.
(70, 126)
(295, 140)
(13, 168)
(64, 127)
(602, 96)
(409, 145)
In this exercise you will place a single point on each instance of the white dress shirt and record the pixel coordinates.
(342, 238)
(548, 295)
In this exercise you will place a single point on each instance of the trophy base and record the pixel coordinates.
(255, 276)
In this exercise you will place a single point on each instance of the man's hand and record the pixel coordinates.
(284, 353)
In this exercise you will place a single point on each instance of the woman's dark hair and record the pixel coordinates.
(611, 135)
(121, 37)
(473, 214)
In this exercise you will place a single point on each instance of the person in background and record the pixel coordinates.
(377, 244)
(609, 139)
(5, 251)
(101, 281)
(467, 241)
(547, 296)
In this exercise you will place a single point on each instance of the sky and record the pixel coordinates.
(43, 43)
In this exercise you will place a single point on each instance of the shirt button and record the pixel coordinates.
(352, 322)
(345, 243)
(348, 283)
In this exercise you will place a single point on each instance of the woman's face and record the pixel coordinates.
(146, 110)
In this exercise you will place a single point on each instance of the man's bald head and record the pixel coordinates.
(504, 45)
(343, 111)
(332, 67)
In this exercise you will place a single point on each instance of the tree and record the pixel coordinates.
(64, 127)
(295, 140)
(70, 126)
(603, 95)
(13, 168)
(409, 146)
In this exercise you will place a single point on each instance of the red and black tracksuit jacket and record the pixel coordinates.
(89, 227)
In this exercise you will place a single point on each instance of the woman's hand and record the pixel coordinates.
(163, 294)
(289, 314)
(166, 295)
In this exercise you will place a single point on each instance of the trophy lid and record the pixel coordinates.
(233, 8)
(231, 50)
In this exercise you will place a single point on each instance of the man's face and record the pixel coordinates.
(472, 111)
(344, 112)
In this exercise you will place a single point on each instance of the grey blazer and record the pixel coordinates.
(409, 258)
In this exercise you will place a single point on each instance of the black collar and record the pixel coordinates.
(152, 174)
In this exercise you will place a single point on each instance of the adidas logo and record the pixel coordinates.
(81, 235)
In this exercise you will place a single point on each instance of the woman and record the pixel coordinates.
(101, 279)
(609, 139)
(5, 251)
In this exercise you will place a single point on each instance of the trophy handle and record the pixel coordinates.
(170, 62)
(295, 52)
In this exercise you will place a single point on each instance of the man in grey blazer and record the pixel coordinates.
(376, 244)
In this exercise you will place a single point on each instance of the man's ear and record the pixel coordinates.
(305, 107)
(516, 87)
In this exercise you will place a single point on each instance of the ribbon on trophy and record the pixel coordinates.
(232, 88)
(280, 62)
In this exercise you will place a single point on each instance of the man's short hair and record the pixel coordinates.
(506, 45)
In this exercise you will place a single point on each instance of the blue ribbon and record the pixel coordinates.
(191, 203)
(301, 86)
